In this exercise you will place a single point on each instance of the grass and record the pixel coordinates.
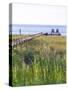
(47, 57)
(14, 37)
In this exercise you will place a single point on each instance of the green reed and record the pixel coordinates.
(48, 64)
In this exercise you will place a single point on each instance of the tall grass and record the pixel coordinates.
(48, 62)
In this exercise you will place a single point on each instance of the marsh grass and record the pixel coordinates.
(49, 62)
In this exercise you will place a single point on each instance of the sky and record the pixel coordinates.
(38, 14)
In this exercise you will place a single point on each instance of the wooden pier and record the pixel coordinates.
(21, 41)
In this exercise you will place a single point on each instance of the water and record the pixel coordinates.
(32, 29)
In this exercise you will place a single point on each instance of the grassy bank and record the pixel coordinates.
(40, 61)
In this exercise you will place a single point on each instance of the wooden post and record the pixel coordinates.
(20, 32)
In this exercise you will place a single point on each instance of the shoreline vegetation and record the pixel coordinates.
(40, 61)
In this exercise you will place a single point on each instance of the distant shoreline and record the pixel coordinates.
(33, 29)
